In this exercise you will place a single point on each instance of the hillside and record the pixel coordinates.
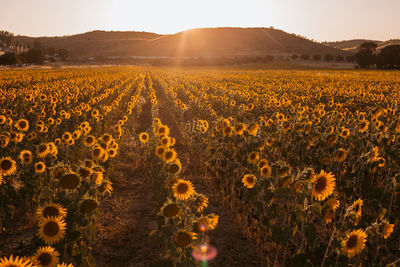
(207, 42)
(352, 45)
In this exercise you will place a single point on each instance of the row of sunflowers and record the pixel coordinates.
(306, 160)
(59, 133)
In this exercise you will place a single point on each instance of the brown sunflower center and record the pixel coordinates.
(182, 188)
(39, 167)
(45, 259)
(22, 124)
(352, 242)
(173, 168)
(69, 181)
(168, 155)
(183, 239)
(171, 210)
(321, 183)
(50, 211)
(6, 164)
(51, 229)
(250, 179)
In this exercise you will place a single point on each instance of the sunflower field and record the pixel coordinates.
(305, 162)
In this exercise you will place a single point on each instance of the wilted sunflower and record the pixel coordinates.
(14, 262)
(201, 202)
(51, 210)
(46, 256)
(183, 189)
(170, 209)
(7, 166)
(52, 229)
(253, 157)
(184, 238)
(40, 167)
(70, 181)
(144, 137)
(323, 185)
(175, 167)
(328, 215)
(340, 155)
(354, 242)
(249, 180)
(97, 177)
(357, 207)
(387, 229)
(88, 205)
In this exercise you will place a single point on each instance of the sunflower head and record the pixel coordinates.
(46, 256)
(7, 166)
(249, 180)
(323, 185)
(144, 137)
(51, 229)
(354, 242)
(51, 210)
(70, 181)
(184, 238)
(183, 189)
(15, 262)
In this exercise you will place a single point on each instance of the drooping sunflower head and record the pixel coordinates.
(183, 189)
(184, 238)
(357, 207)
(354, 242)
(387, 229)
(323, 185)
(52, 229)
(88, 205)
(46, 256)
(170, 209)
(51, 210)
(249, 180)
(340, 155)
(201, 203)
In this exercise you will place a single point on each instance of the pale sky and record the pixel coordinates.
(321, 20)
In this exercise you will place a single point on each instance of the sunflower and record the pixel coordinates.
(66, 136)
(106, 186)
(363, 126)
(240, 128)
(98, 152)
(40, 167)
(52, 229)
(26, 157)
(227, 131)
(323, 185)
(261, 163)
(331, 139)
(354, 242)
(175, 167)
(97, 177)
(46, 256)
(253, 157)
(184, 238)
(89, 141)
(65, 265)
(253, 129)
(144, 137)
(42, 150)
(169, 155)
(387, 229)
(70, 181)
(340, 155)
(14, 262)
(344, 133)
(22, 125)
(160, 152)
(266, 171)
(51, 210)
(88, 205)
(183, 189)
(7, 166)
(85, 172)
(162, 130)
(212, 221)
(328, 215)
(357, 207)
(333, 203)
(201, 202)
(249, 180)
(170, 209)
(165, 141)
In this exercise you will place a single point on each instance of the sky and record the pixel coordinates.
(321, 20)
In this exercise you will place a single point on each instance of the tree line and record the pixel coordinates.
(387, 58)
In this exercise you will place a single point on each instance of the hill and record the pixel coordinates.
(352, 45)
(207, 42)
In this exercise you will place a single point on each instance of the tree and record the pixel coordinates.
(365, 56)
(328, 57)
(316, 57)
(350, 58)
(63, 53)
(35, 56)
(8, 59)
(339, 58)
(389, 57)
(305, 57)
(7, 38)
